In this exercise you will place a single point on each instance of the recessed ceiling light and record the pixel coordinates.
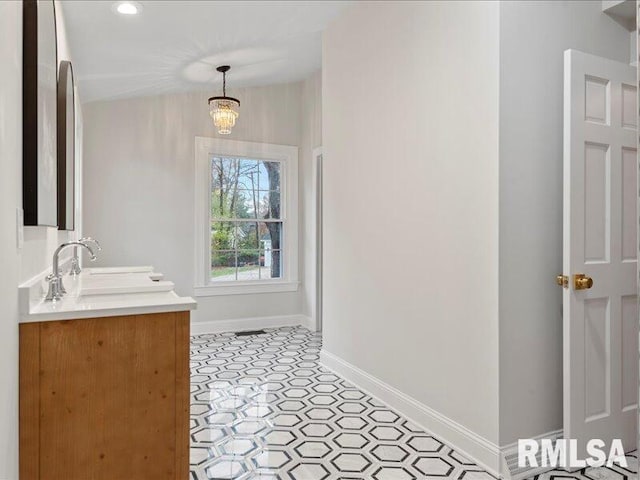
(127, 8)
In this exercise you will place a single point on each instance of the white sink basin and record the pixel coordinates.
(117, 280)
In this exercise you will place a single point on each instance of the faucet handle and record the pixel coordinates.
(56, 288)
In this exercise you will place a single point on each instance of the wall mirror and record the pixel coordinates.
(39, 149)
(66, 147)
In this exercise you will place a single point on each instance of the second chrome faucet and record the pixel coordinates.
(75, 260)
(56, 287)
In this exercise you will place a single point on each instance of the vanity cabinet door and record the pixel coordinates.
(112, 397)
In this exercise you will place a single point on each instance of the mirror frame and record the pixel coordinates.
(39, 150)
(66, 147)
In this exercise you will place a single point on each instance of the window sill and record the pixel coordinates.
(245, 288)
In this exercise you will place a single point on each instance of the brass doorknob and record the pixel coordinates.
(562, 280)
(582, 282)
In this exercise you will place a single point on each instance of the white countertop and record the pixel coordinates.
(102, 292)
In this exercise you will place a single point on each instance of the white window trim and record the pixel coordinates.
(205, 149)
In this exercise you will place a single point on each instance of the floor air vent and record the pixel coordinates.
(511, 459)
(250, 332)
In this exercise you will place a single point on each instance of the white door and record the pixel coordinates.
(600, 241)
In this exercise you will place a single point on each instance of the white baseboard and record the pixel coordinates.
(255, 323)
(308, 323)
(510, 458)
(473, 446)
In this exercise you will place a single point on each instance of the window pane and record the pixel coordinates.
(221, 170)
(248, 265)
(270, 173)
(271, 261)
(245, 188)
(271, 246)
(223, 265)
(223, 236)
(224, 174)
(269, 204)
(248, 174)
(248, 236)
(270, 235)
(256, 204)
(244, 205)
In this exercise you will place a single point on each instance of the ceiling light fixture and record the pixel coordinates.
(127, 8)
(223, 109)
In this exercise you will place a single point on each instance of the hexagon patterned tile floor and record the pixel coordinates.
(262, 407)
(616, 472)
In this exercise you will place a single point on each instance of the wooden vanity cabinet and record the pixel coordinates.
(105, 398)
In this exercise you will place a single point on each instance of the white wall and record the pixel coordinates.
(533, 36)
(410, 142)
(10, 199)
(39, 242)
(139, 181)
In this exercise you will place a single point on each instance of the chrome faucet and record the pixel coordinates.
(56, 288)
(75, 261)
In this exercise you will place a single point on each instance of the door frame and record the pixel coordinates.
(637, 65)
(316, 162)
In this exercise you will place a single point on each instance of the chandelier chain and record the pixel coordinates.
(224, 84)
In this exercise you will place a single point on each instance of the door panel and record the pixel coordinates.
(597, 358)
(629, 205)
(596, 105)
(600, 324)
(596, 204)
(629, 351)
(629, 96)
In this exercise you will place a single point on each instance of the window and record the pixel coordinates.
(244, 190)
(246, 211)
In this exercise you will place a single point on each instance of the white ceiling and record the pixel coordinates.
(174, 46)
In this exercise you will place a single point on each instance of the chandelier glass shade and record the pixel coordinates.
(224, 110)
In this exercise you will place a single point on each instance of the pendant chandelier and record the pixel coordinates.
(224, 110)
